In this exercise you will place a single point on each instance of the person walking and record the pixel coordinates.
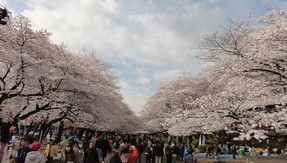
(209, 151)
(168, 152)
(51, 151)
(102, 144)
(23, 150)
(234, 151)
(10, 153)
(113, 156)
(149, 153)
(181, 151)
(125, 154)
(189, 158)
(2, 148)
(134, 154)
(91, 154)
(68, 154)
(140, 148)
(79, 152)
(35, 156)
(175, 152)
(158, 152)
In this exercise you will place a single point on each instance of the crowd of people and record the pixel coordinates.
(98, 149)
(213, 150)
(105, 148)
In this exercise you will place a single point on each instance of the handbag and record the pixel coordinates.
(58, 156)
(13, 160)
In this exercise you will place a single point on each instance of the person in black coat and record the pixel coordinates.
(148, 153)
(168, 153)
(24, 149)
(102, 144)
(139, 145)
(113, 155)
(158, 152)
(91, 154)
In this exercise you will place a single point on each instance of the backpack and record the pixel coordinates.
(125, 157)
(148, 151)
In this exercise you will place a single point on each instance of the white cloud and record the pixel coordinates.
(133, 96)
(149, 41)
(145, 32)
(143, 81)
(149, 34)
(164, 76)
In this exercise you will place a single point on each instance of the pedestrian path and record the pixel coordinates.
(281, 159)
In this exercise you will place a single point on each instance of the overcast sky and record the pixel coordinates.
(147, 42)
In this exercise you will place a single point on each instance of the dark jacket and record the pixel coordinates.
(91, 156)
(158, 150)
(22, 153)
(140, 147)
(103, 145)
(148, 151)
(113, 157)
(168, 151)
(69, 156)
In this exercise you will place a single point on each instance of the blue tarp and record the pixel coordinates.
(220, 156)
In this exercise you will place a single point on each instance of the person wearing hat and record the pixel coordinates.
(35, 156)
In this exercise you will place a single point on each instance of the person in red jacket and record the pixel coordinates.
(134, 154)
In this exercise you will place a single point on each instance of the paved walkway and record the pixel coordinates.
(248, 159)
(281, 159)
(251, 159)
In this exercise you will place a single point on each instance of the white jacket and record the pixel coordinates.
(9, 152)
(35, 157)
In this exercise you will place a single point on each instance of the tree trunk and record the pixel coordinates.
(60, 132)
(5, 133)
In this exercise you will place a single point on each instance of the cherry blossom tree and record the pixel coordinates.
(263, 62)
(244, 91)
(171, 99)
(44, 83)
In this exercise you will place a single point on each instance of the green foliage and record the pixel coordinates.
(202, 149)
(195, 141)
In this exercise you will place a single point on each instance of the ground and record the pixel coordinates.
(249, 159)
